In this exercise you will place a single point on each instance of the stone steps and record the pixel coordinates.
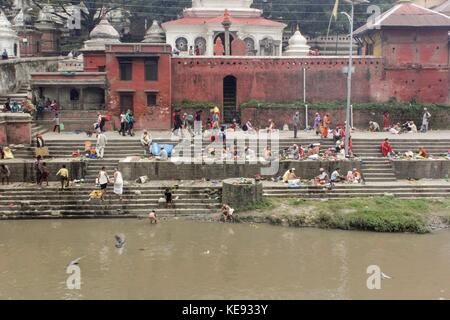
(351, 191)
(29, 202)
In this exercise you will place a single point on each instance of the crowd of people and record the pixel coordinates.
(323, 178)
(399, 128)
(388, 151)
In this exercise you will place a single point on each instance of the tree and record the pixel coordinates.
(95, 9)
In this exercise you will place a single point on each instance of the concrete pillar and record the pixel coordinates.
(210, 43)
(82, 107)
(239, 193)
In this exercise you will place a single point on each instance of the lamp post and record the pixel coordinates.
(226, 23)
(349, 71)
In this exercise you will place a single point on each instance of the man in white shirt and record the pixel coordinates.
(101, 144)
(163, 155)
(146, 141)
(336, 176)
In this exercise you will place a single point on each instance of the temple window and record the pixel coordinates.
(151, 99)
(250, 46)
(181, 44)
(74, 95)
(126, 69)
(200, 46)
(151, 70)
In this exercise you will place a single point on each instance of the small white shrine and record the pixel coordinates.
(9, 39)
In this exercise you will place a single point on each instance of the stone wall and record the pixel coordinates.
(421, 169)
(15, 128)
(166, 170)
(15, 72)
(23, 170)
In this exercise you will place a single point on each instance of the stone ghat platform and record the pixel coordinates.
(421, 169)
(23, 170)
(167, 170)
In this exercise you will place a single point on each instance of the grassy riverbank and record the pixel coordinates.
(380, 214)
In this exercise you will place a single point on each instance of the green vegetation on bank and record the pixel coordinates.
(195, 105)
(379, 214)
(398, 110)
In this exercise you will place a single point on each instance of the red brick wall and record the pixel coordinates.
(416, 65)
(92, 60)
(272, 79)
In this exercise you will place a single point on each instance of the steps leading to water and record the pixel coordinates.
(73, 202)
(356, 191)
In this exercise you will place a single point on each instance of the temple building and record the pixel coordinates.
(51, 33)
(201, 29)
(9, 40)
(30, 37)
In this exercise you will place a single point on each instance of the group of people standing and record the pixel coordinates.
(127, 121)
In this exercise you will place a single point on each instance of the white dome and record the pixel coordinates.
(18, 20)
(4, 22)
(104, 30)
(297, 45)
(155, 34)
(102, 34)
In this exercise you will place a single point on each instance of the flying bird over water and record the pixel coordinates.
(384, 276)
(120, 240)
(75, 262)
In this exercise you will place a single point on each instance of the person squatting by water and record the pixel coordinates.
(227, 213)
(152, 217)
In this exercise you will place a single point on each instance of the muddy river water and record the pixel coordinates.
(198, 260)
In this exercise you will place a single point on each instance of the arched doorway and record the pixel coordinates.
(221, 35)
(230, 111)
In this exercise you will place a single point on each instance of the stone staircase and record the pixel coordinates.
(18, 96)
(369, 148)
(377, 170)
(73, 120)
(357, 191)
(30, 202)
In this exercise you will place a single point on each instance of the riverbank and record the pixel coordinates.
(378, 214)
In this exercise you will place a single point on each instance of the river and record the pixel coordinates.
(179, 259)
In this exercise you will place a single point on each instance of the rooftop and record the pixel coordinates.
(407, 14)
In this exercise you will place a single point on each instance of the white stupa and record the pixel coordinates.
(102, 34)
(297, 45)
(155, 34)
(9, 39)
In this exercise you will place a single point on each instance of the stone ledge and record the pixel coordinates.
(421, 169)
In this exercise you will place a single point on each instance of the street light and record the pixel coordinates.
(350, 18)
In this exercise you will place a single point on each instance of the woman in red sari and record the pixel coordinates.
(386, 148)
(386, 120)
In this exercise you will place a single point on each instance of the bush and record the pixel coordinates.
(187, 104)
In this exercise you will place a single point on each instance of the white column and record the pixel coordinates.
(210, 43)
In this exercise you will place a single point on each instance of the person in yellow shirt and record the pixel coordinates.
(63, 174)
